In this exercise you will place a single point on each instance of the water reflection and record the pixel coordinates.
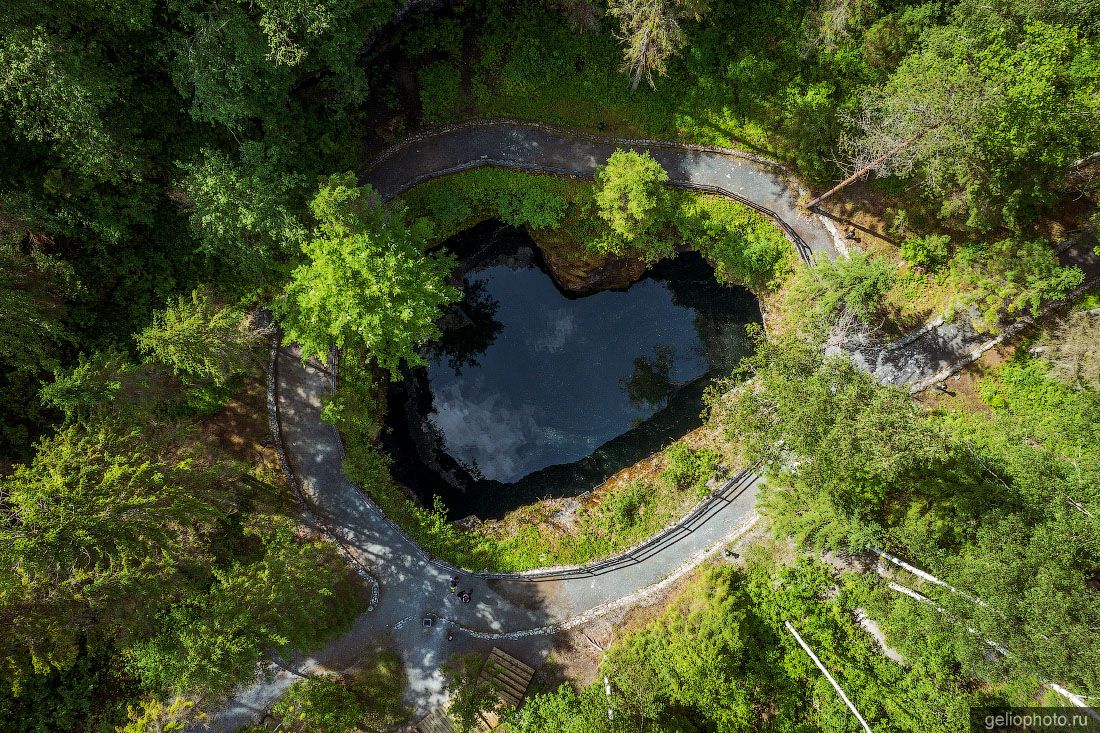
(531, 393)
(468, 328)
(650, 384)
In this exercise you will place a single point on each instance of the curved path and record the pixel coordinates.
(757, 182)
(519, 612)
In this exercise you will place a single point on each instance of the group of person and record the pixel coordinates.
(464, 595)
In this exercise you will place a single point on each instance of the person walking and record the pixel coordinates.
(454, 584)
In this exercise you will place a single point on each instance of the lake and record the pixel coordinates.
(531, 393)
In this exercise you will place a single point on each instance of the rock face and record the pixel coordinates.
(580, 272)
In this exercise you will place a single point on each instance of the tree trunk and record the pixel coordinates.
(870, 166)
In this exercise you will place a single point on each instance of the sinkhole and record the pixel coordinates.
(533, 393)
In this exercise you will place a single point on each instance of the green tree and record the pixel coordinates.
(106, 385)
(1010, 276)
(367, 284)
(290, 598)
(32, 307)
(319, 705)
(96, 530)
(156, 716)
(244, 213)
(64, 95)
(629, 196)
(201, 340)
(853, 439)
(220, 64)
(650, 32)
(987, 115)
(471, 693)
(565, 710)
(853, 286)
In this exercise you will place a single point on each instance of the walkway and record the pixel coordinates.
(755, 181)
(518, 612)
(930, 354)
(525, 612)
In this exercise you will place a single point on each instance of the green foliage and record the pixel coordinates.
(743, 246)
(440, 91)
(629, 195)
(994, 111)
(434, 34)
(118, 517)
(1073, 349)
(689, 468)
(201, 340)
(651, 32)
(366, 698)
(462, 200)
(32, 308)
(244, 213)
(855, 286)
(156, 716)
(929, 251)
(720, 659)
(63, 95)
(621, 511)
(290, 598)
(84, 695)
(995, 503)
(107, 385)
(471, 695)
(855, 441)
(893, 35)
(565, 710)
(319, 704)
(1012, 276)
(368, 284)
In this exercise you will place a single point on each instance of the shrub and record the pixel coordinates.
(929, 251)
(440, 91)
(689, 467)
(620, 509)
(319, 705)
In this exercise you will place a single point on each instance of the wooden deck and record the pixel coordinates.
(510, 676)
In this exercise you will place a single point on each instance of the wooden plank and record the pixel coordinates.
(509, 676)
(435, 722)
(508, 680)
(509, 659)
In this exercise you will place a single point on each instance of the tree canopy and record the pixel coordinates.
(368, 283)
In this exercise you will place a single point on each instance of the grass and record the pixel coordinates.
(744, 246)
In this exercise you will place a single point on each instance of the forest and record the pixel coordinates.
(182, 191)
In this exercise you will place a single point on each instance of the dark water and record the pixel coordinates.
(531, 393)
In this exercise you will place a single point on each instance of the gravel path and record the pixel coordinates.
(522, 614)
